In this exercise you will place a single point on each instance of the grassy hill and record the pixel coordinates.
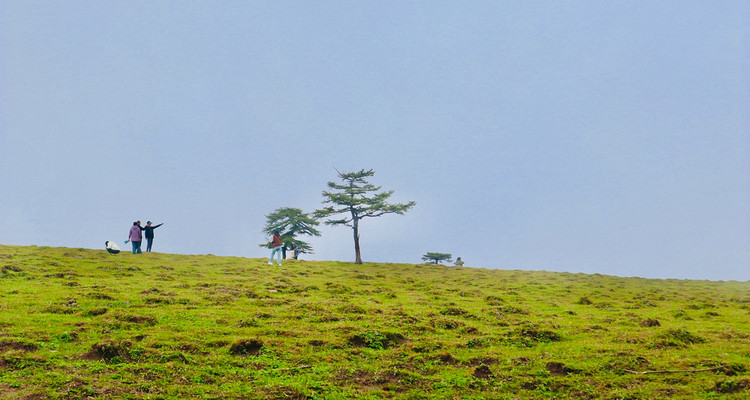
(78, 323)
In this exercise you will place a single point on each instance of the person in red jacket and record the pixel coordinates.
(276, 245)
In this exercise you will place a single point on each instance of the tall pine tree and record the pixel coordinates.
(356, 198)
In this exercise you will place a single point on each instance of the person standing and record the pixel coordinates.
(134, 237)
(276, 245)
(295, 249)
(150, 234)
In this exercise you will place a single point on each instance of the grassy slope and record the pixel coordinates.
(78, 323)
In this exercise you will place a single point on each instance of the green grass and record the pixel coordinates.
(78, 323)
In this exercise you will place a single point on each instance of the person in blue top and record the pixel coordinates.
(149, 229)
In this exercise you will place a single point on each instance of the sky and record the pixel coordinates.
(586, 137)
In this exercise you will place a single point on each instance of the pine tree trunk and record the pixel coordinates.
(355, 225)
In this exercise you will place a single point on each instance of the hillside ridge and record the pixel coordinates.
(83, 323)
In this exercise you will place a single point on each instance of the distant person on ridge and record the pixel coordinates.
(276, 245)
(295, 249)
(150, 234)
(134, 237)
(459, 262)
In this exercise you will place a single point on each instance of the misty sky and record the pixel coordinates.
(606, 137)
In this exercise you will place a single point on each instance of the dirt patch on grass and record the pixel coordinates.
(585, 301)
(285, 392)
(447, 358)
(650, 323)
(445, 323)
(500, 311)
(12, 345)
(99, 296)
(733, 386)
(246, 347)
(521, 361)
(352, 309)
(248, 324)
(138, 319)
(556, 369)
(676, 338)
(476, 361)
(10, 268)
(93, 312)
(381, 379)
(483, 372)
(376, 339)
(110, 351)
(453, 311)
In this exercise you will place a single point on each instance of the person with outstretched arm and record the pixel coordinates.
(150, 234)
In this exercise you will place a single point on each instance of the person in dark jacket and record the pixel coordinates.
(149, 229)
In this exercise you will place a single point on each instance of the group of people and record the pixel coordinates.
(278, 249)
(135, 236)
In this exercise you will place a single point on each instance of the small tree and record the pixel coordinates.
(356, 198)
(437, 257)
(291, 222)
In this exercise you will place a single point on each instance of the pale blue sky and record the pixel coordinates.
(606, 137)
